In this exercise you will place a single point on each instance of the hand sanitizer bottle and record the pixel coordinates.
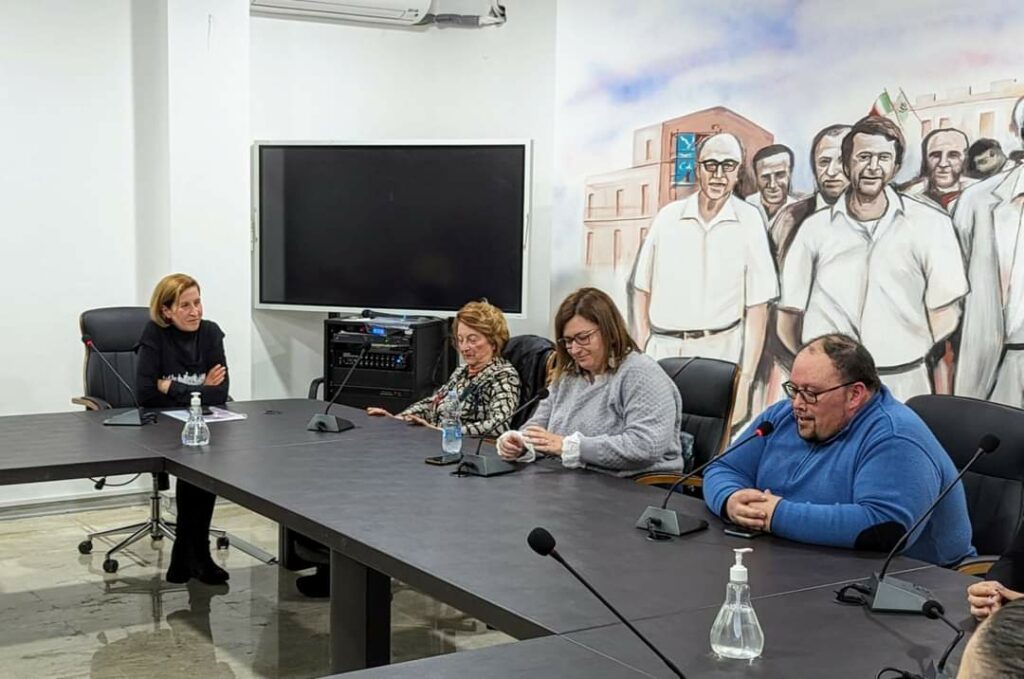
(736, 632)
(195, 432)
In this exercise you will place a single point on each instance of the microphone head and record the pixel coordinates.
(932, 609)
(541, 541)
(765, 428)
(367, 343)
(989, 442)
(86, 338)
(542, 394)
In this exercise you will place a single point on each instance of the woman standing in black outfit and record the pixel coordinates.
(180, 353)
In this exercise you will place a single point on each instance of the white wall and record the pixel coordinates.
(320, 81)
(126, 156)
(66, 186)
(67, 238)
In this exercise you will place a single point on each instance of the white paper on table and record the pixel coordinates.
(215, 415)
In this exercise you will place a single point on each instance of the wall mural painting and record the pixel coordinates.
(805, 196)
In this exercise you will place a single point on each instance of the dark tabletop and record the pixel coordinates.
(368, 494)
(547, 657)
(806, 635)
(58, 446)
(270, 423)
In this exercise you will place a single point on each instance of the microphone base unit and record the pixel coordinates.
(667, 522)
(483, 465)
(893, 595)
(329, 423)
(132, 417)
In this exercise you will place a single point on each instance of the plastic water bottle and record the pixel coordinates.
(195, 432)
(736, 632)
(451, 424)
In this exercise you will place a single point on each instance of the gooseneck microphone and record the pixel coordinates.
(661, 522)
(330, 423)
(892, 594)
(543, 542)
(133, 417)
(934, 610)
(475, 464)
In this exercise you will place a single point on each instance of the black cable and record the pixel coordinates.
(102, 483)
(898, 673)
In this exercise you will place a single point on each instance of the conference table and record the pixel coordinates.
(368, 496)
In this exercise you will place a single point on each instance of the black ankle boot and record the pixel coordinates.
(203, 567)
(317, 586)
(180, 569)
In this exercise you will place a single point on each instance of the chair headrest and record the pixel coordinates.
(706, 384)
(114, 329)
(959, 423)
(523, 345)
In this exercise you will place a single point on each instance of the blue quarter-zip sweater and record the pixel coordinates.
(874, 478)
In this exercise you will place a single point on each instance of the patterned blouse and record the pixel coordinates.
(487, 398)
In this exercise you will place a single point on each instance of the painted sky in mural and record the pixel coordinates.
(791, 67)
(639, 86)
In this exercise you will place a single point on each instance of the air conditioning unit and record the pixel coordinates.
(394, 12)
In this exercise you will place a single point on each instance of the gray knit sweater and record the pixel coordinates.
(628, 420)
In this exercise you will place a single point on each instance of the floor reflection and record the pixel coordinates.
(62, 616)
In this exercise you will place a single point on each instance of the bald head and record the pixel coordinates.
(722, 146)
(719, 158)
(942, 157)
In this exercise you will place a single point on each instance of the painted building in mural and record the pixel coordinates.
(976, 111)
(620, 205)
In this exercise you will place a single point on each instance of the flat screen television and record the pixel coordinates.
(409, 227)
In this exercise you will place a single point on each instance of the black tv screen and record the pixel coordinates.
(405, 226)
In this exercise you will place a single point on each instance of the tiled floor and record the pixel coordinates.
(62, 616)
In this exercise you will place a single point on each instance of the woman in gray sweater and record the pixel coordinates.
(611, 408)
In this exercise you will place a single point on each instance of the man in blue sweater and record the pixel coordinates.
(847, 465)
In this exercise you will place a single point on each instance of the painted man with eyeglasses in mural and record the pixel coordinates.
(989, 220)
(704, 275)
(878, 266)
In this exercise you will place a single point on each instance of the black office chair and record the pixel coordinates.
(708, 387)
(115, 331)
(529, 355)
(995, 484)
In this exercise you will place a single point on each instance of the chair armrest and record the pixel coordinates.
(666, 480)
(314, 386)
(976, 565)
(91, 403)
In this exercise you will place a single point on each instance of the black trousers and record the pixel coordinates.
(195, 511)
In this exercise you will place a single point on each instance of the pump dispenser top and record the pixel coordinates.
(738, 573)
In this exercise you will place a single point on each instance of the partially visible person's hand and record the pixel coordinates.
(986, 597)
(746, 508)
(378, 412)
(416, 419)
(542, 440)
(510, 445)
(768, 507)
(163, 386)
(215, 376)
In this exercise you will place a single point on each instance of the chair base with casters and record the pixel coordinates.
(155, 527)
